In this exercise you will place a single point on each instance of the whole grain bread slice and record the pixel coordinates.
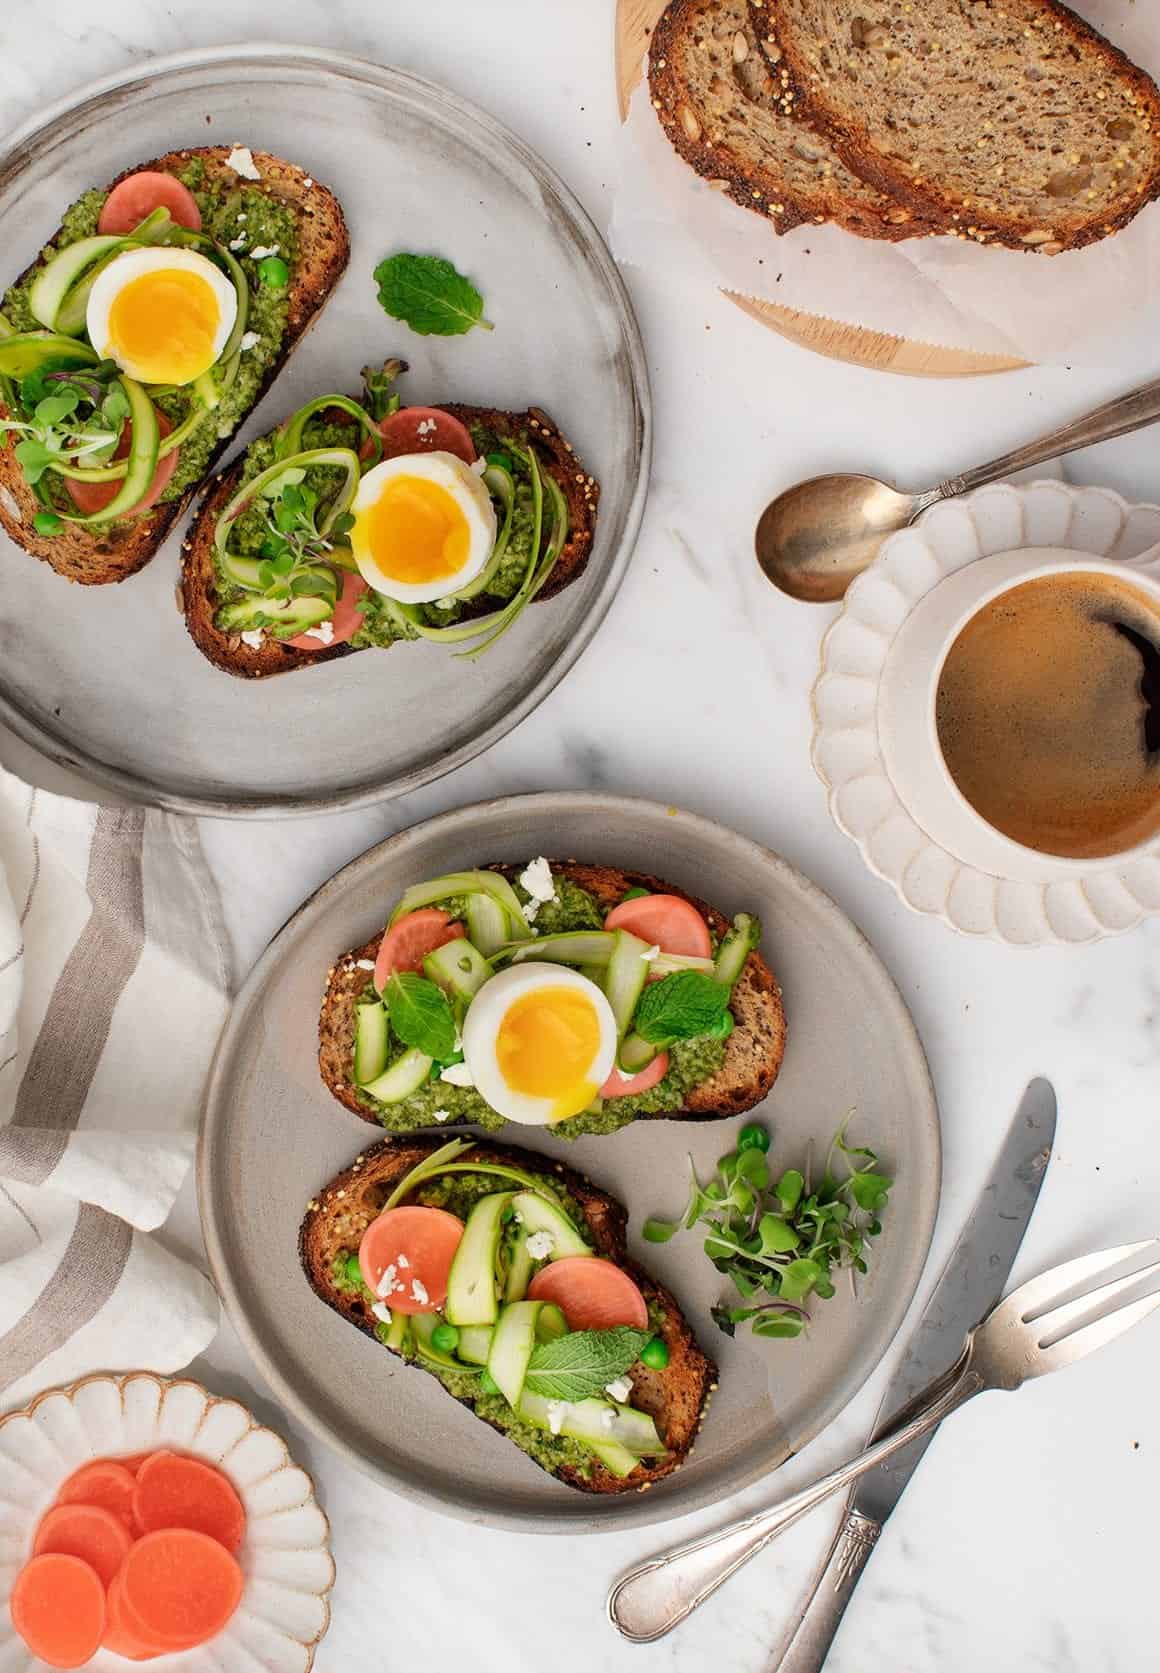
(1010, 121)
(228, 651)
(675, 1397)
(753, 1052)
(95, 557)
(726, 112)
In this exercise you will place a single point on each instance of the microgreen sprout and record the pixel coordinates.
(780, 1239)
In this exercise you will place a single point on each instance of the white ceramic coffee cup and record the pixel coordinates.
(907, 728)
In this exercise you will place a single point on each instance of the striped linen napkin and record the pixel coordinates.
(113, 989)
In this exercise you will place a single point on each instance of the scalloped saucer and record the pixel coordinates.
(285, 1555)
(847, 752)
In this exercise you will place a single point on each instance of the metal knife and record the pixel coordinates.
(971, 1283)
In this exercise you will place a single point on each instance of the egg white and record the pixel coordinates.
(481, 1030)
(470, 496)
(130, 265)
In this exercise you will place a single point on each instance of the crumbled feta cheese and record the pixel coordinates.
(381, 1311)
(324, 633)
(540, 1245)
(307, 183)
(441, 1115)
(536, 878)
(388, 1283)
(650, 953)
(426, 426)
(261, 251)
(255, 639)
(457, 1074)
(557, 1412)
(250, 340)
(238, 243)
(241, 216)
(241, 160)
(619, 1390)
(445, 603)
(403, 1263)
(364, 964)
(419, 1292)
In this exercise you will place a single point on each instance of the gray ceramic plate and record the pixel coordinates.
(105, 679)
(272, 1136)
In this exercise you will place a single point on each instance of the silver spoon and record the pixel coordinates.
(815, 538)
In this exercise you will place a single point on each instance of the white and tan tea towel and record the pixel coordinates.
(113, 983)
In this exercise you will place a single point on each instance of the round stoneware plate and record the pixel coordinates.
(285, 1555)
(273, 1135)
(106, 679)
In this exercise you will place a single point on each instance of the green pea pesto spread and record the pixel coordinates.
(457, 1193)
(438, 1102)
(245, 213)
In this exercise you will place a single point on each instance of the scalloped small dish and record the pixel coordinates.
(285, 1554)
(874, 748)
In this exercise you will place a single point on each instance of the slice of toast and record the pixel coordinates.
(95, 557)
(228, 652)
(753, 1052)
(675, 1397)
(729, 116)
(1013, 123)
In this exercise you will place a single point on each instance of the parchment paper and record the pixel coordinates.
(1082, 306)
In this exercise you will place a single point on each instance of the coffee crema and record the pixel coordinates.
(1048, 714)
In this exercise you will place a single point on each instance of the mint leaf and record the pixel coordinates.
(680, 1007)
(430, 295)
(420, 1014)
(575, 1366)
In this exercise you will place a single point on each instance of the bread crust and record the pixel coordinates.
(925, 197)
(756, 183)
(97, 557)
(676, 1397)
(753, 1052)
(226, 651)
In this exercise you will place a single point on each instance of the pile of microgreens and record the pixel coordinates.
(72, 416)
(293, 542)
(781, 1240)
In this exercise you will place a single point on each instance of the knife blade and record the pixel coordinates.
(970, 1284)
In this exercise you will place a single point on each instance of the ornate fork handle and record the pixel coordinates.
(1115, 418)
(650, 1600)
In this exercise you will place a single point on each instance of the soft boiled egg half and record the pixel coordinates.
(424, 526)
(163, 315)
(540, 1041)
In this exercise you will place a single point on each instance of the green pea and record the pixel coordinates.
(723, 1027)
(633, 894)
(274, 273)
(47, 522)
(353, 1270)
(445, 1337)
(655, 1353)
(753, 1137)
(503, 460)
(488, 1383)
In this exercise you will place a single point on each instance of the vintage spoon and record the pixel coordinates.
(815, 538)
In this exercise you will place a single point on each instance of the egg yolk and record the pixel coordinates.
(416, 532)
(163, 324)
(545, 1048)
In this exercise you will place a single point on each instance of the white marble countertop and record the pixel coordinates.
(1026, 1540)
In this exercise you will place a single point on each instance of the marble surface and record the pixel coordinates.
(1026, 1540)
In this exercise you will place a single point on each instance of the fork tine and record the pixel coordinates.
(1060, 1320)
(1083, 1342)
(1042, 1291)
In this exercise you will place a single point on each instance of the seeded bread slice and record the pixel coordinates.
(753, 1052)
(229, 652)
(676, 1397)
(1013, 123)
(727, 113)
(95, 557)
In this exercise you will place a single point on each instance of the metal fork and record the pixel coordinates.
(1036, 1329)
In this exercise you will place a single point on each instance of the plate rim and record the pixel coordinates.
(38, 128)
(637, 1510)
